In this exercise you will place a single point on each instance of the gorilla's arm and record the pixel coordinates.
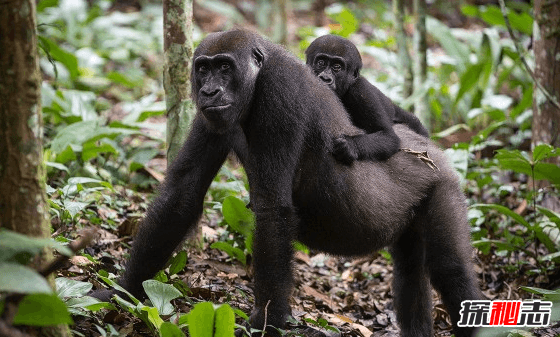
(178, 206)
(404, 117)
(373, 112)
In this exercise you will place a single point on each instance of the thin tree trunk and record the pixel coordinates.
(421, 107)
(404, 56)
(178, 49)
(282, 23)
(546, 115)
(23, 201)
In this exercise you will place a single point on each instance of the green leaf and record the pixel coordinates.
(153, 316)
(70, 288)
(178, 262)
(171, 330)
(81, 132)
(124, 80)
(552, 216)
(42, 310)
(67, 59)
(503, 210)
(230, 250)
(469, 79)
(57, 166)
(13, 243)
(544, 151)
(100, 305)
(201, 320)
(241, 314)
(74, 207)
(514, 160)
(118, 287)
(21, 279)
(238, 216)
(441, 33)
(225, 321)
(341, 14)
(451, 130)
(547, 171)
(161, 294)
(77, 305)
(41, 5)
(459, 159)
(552, 295)
(66, 155)
(91, 149)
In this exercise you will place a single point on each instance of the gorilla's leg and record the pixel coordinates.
(449, 252)
(411, 286)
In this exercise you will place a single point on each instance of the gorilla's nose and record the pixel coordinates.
(326, 79)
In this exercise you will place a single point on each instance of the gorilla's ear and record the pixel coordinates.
(356, 73)
(258, 56)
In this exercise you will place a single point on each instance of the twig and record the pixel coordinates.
(265, 318)
(423, 156)
(551, 98)
(74, 246)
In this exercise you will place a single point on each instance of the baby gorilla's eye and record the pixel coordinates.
(320, 63)
(202, 69)
(337, 67)
(224, 66)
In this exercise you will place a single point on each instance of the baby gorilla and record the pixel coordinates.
(337, 62)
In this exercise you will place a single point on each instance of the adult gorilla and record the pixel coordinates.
(337, 62)
(259, 101)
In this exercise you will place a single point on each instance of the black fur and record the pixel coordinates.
(337, 62)
(281, 127)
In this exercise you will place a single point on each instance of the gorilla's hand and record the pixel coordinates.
(345, 150)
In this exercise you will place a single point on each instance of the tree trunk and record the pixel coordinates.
(178, 49)
(23, 201)
(546, 115)
(281, 26)
(404, 56)
(421, 107)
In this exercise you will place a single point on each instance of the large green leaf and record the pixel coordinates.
(13, 243)
(225, 321)
(201, 320)
(21, 279)
(71, 288)
(161, 295)
(42, 310)
(171, 330)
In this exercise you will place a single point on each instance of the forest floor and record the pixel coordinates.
(353, 295)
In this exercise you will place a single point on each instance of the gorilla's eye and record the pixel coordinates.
(337, 67)
(224, 66)
(320, 63)
(203, 69)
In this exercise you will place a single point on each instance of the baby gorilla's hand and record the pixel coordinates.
(345, 150)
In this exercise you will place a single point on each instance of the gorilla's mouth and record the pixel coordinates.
(215, 108)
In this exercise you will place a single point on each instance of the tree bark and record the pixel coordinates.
(23, 201)
(178, 50)
(546, 116)
(404, 56)
(421, 107)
